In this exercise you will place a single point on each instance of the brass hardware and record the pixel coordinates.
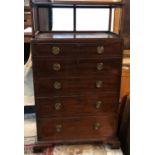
(100, 49)
(57, 85)
(58, 127)
(99, 84)
(56, 67)
(98, 104)
(97, 126)
(100, 66)
(58, 106)
(55, 50)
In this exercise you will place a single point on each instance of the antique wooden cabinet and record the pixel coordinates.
(76, 76)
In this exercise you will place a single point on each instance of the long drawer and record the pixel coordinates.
(76, 128)
(104, 48)
(94, 104)
(76, 68)
(47, 87)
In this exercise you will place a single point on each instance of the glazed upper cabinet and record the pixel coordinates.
(96, 15)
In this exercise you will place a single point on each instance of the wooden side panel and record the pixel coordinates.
(125, 83)
(125, 23)
(44, 19)
(40, 17)
(116, 20)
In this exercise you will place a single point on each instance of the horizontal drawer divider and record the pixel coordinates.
(88, 93)
(88, 58)
(106, 114)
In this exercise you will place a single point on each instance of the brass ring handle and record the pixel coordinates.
(56, 67)
(98, 104)
(100, 66)
(100, 49)
(99, 84)
(58, 127)
(58, 106)
(57, 85)
(55, 50)
(97, 126)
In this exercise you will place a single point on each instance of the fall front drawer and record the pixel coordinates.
(76, 128)
(94, 104)
(80, 67)
(47, 87)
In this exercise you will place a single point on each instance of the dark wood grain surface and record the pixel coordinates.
(77, 85)
(77, 105)
(44, 67)
(76, 78)
(79, 128)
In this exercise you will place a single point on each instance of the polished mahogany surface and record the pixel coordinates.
(76, 76)
(77, 85)
(66, 129)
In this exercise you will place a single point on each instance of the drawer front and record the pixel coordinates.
(55, 67)
(106, 49)
(47, 87)
(76, 68)
(76, 128)
(77, 105)
(54, 50)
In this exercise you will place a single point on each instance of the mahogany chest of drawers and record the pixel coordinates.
(76, 75)
(77, 83)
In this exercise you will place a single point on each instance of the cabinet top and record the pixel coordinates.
(79, 2)
(74, 36)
